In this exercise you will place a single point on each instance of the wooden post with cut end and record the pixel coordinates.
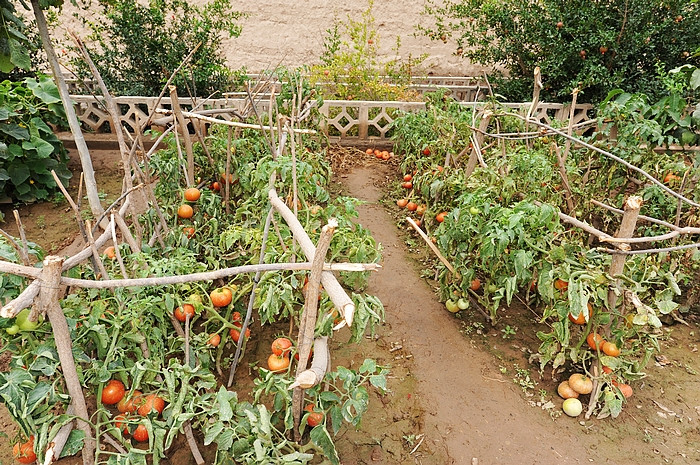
(308, 318)
(185, 134)
(629, 221)
(73, 122)
(48, 302)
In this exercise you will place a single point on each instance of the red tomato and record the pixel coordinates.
(120, 423)
(113, 392)
(151, 402)
(181, 313)
(315, 418)
(129, 404)
(595, 341)
(24, 452)
(141, 433)
(281, 346)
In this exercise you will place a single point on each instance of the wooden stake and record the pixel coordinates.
(73, 122)
(629, 221)
(432, 246)
(308, 318)
(24, 255)
(185, 134)
(49, 302)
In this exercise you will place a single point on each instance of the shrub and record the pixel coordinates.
(29, 149)
(596, 46)
(137, 47)
(351, 68)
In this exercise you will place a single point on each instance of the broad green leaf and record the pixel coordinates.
(14, 130)
(319, 436)
(74, 444)
(44, 89)
(212, 432)
(19, 54)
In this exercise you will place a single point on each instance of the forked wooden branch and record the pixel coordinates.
(335, 291)
(639, 218)
(179, 116)
(48, 302)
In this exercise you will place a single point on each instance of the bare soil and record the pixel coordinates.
(458, 389)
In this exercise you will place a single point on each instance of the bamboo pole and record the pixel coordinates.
(49, 302)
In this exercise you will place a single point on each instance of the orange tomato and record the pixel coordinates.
(407, 177)
(315, 418)
(475, 285)
(565, 391)
(369, 151)
(129, 404)
(185, 211)
(402, 203)
(441, 217)
(110, 252)
(214, 340)
(188, 231)
(221, 298)
(407, 185)
(560, 285)
(277, 364)
(192, 194)
(595, 341)
(24, 452)
(610, 348)
(581, 318)
(281, 346)
(581, 383)
(141, 433)
(411, 206)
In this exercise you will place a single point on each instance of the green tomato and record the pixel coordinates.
(572, 407)
(491, 288)
(463, 304)
(474, 210)
(12, 330)
(23, 322)
(451, 306)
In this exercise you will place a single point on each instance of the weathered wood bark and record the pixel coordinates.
(308, 318)
(49, 302)
(314, 375)
(73, 122)
(477, 140)
(629, 221)
(185, 134)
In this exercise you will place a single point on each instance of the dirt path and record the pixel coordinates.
(472, 409)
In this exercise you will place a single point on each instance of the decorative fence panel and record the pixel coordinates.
(343, 121)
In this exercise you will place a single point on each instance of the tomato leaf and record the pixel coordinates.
(319, 436)
(223, 399)
(74, 444)
(212, 433)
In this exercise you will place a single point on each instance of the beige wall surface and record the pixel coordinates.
(290, 33)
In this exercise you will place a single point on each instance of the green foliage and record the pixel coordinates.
(14, 51)
(139, 46)
(503, 226)
(29, 149)
(351, 66)
(595, 46)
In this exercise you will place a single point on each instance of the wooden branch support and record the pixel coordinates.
(22, 301)
(639, 218)
(561, 163)
(73, 122)
(595, 393)
(179, 115)
(235, 124)
(314, 375)
(432, 246)
(629, 221)
(20, 252)
(48, 302)
(335, 291)
(55, 447)
(95, 252)
(24, 254)
(126, 233)
(117, 253)
(199, 460)
(308, 318)
(570, 127)
(477, 141)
